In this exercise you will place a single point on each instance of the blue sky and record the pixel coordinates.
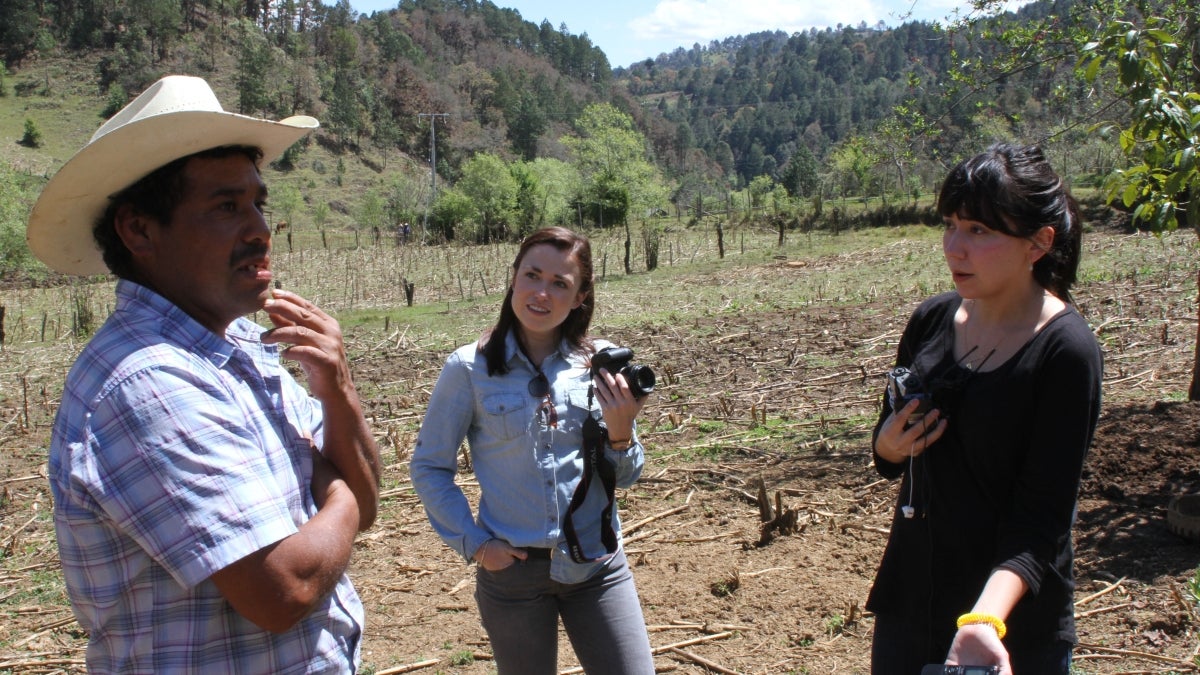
(633, 30)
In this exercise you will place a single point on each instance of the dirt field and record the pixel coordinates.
(782, 399)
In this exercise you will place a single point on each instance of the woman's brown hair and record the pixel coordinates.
(574, 328)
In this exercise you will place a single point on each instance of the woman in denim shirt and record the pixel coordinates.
(546, 537)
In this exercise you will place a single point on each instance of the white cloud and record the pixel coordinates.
(685, 22)
(688, 21)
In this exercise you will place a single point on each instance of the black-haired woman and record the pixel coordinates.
(978, 566)
(546, 538)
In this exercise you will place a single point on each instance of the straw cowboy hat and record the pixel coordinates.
(176, 117)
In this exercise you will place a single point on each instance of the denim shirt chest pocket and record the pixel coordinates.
(508, 413)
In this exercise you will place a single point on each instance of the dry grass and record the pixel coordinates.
(768, 364)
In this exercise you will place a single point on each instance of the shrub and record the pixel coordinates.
(15, 202)
(116, 100)
(32, 137)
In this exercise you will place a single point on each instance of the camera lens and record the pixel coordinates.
(641, 380)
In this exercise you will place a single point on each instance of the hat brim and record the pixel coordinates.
(60, 225)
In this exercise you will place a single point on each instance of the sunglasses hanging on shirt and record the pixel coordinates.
(545, 414)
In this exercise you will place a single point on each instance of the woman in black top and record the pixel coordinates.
(978, 566)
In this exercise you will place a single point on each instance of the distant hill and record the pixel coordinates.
(751, 102)
(504, 84)
(798, 109)
(495, 83)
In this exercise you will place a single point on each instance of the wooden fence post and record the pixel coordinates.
(409, 288)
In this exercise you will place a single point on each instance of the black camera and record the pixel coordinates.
(616, 361)
(904, 386)
(939, 669)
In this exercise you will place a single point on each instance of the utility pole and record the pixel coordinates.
(432, 166)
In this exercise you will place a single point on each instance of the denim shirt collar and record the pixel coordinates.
(514, 355)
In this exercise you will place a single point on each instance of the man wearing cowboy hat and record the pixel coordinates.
(205, 504)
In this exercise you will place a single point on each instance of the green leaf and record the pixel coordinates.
(1129, 67)
(1187, 159)
(1174, 183)
(1130, 196)
(1165, 39)
(1092, 69)
(1142, 213)
(1127, 141)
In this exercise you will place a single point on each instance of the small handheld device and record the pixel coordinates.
(940, 669)
(904, 386)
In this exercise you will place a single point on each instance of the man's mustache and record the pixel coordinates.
(250, 252)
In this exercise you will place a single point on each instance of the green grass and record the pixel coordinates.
(714, 452)
(458, 287)
(47, 587)
(885, 270)
(834, 625)
(65, 112)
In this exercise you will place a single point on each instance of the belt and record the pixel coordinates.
(541, 553)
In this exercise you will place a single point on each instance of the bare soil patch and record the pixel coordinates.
(781, 401)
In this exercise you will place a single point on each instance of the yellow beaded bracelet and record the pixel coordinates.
(978, 618)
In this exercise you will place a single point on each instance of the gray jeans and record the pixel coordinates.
(520, 605)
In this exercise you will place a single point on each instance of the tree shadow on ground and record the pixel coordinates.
(1143, 455)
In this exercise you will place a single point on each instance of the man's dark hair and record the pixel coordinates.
(155, 195)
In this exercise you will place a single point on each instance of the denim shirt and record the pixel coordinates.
(527, 472)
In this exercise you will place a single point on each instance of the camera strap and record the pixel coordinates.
(594, 437)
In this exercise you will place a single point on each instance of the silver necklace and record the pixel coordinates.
(965, 360)
(969, 365)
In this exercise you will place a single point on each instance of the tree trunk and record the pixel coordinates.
(409, 289)
(628, 246)
(1194, 389)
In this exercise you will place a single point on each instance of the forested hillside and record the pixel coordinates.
(862, 111)
(755, 103)
(502, 82)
